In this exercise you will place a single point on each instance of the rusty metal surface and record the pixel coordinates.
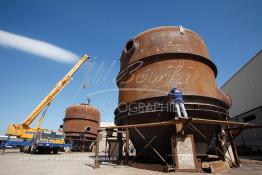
(160, 40)
(81, 119)
(155, 61)
(152, 63)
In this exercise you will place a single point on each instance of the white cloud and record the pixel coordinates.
(36, 47)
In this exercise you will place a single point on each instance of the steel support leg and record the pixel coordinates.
(127, 147)
(97, 164)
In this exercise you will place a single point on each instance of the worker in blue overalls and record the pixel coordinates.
(177, 96)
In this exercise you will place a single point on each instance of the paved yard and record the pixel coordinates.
(15, 162)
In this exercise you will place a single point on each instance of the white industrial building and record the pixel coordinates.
(244, 88)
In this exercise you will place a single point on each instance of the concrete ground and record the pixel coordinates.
(14, 162)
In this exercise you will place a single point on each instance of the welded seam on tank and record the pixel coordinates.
(121, 116)
(167, 56)
(220, 103)
(79, 118)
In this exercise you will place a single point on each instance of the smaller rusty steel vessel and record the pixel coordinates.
(80, 126)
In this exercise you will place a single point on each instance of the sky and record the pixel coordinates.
(68, 29)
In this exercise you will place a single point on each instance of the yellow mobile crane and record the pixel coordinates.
(23, 130)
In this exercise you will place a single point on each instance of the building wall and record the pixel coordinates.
(245, 90)
(245, 87)
(250, 139)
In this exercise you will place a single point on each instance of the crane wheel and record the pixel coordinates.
(32, 150)
(55, 151)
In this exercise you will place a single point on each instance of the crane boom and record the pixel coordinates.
(23, 130)
(59, 86)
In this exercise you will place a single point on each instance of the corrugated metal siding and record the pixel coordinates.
(245, 87)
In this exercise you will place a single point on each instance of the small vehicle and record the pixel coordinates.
(45, 141)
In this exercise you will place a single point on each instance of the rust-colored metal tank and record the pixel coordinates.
(154, 62)
(81, 122)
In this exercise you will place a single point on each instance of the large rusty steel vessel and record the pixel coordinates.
(152, 63)
(80, 125)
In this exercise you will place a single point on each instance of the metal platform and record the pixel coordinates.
(164, 164)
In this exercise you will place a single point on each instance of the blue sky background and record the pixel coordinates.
(231, 30)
